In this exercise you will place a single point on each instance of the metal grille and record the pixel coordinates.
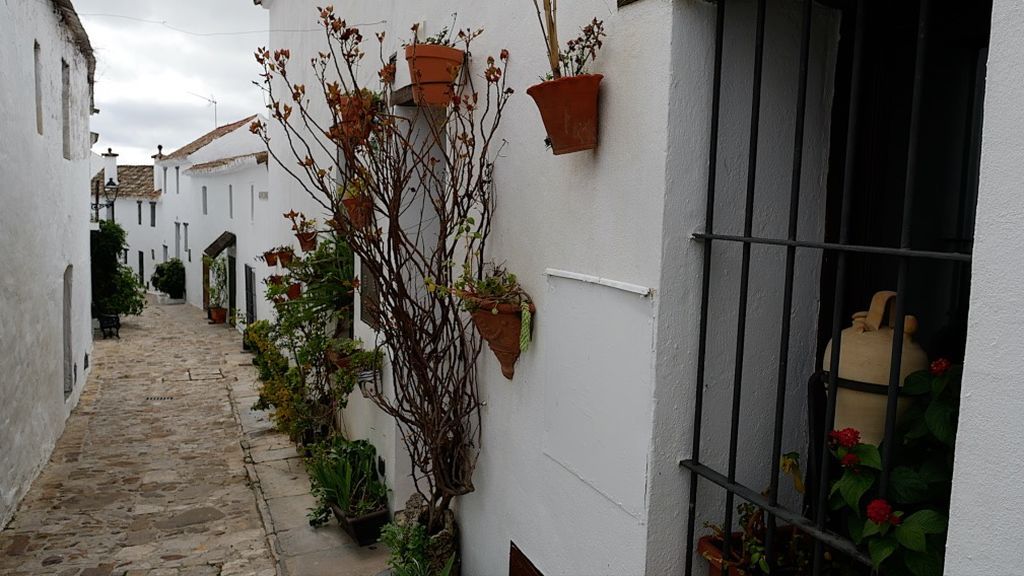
(841, 250)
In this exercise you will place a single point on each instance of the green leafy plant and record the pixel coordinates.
(407, 544)
(344, 474)
(218, 281)
(301, 224)
(169, 277)
(115, 288)
(905, 532)
(496, 286)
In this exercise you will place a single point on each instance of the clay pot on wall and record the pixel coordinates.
(270, 257)
(307, 241)
(360, 210)
(285, 257)
(218, 315)
(275, 280)
(294, 291)
(568, 107)
(501, 331)
(865, 357)
(433, 70)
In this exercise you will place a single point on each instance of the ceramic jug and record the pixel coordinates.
(865, 356)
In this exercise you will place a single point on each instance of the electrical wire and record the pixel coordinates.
(208, 34)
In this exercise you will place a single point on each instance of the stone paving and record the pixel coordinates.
(157, 475)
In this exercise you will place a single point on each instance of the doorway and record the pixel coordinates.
(69, 367)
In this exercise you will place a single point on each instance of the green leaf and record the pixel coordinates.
(941, 420)
(870, 529)
(868, 455)
(855, 525)
(923, 563)
(852, 486)
(929, 521)
(939, 384)
(880, 549)
(918, 383)
(907, 486)
(911, 536)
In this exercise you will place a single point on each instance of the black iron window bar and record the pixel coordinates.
(814, 527)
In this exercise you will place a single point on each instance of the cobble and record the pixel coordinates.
(149, 477)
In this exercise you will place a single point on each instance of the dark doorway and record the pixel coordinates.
(142, 269)
(69, 375)
(250, 294)
(232, 290)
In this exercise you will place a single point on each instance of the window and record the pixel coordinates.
(186, 237)
(177, 179)
(204, 201)
(39, 88)
(163, 184)
(177, 240)
(139, 206)
(65, 108)
(152, 215)
(165, 252)
(152, 253)
(252, 203)
(231, 201)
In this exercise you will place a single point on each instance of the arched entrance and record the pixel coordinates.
(225, 241)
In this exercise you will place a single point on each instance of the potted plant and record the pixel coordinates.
(305, 230)
(218, 289)
(294, 291)
(270, 257)
(169, 278)
(502, 312)
(434, 65)
(358, 204)
(285, 255)
(567, 99)
(346, 483)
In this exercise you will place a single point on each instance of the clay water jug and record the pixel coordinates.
(865, 356)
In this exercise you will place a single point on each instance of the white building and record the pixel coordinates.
(580, 465)
(216, 195)
(46, 90)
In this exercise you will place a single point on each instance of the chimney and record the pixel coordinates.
(110, 167)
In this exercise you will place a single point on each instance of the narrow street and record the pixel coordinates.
(149, 476)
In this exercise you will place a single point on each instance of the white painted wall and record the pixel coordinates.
(987, 494)
(44, 227)
(141, 236)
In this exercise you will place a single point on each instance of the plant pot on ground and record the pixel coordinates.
(568, 99)
(434, 65)
(346, 481)
(364, 529)
(218, 315)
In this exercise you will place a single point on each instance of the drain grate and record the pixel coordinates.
(157, 398)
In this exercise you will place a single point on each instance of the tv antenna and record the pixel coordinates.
(211, 100)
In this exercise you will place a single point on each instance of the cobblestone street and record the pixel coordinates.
(149, 477)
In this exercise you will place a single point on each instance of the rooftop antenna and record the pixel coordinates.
(213, 101)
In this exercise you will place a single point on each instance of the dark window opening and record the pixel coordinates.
(139, 206)
(152, 216)
(37, 52)
(65, 98)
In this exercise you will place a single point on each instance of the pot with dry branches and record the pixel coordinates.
(568, 98)
(434, 66)
(427, 172)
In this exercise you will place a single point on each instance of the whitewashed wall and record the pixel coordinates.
(141, 236)
(44, 227)
(987, 493)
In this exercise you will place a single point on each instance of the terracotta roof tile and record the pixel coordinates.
(212, 166)
(183, 152)
(135, 181)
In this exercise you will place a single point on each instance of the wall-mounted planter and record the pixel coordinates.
(360, 210)
(568, 107)
(294, 291)
(365, 530)
(218, 315)
(433, 70)
(501, 331)
(307, 241)
(275, 280)
(285, 257)
(270, 257)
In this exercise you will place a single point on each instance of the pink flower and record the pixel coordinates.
(847, 437)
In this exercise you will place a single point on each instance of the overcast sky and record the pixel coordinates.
(146, 71)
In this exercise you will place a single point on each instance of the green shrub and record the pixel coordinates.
(115, 289)
(345, 474)
(169, 277)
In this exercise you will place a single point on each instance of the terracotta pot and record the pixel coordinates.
(568, 107)
(294, 291)
(275, 280)
(270, 257)
(865, 356)
(360, 210)
(307, 241)
(710, 548)
(501, 331)
(285, 257)
(433, 70)
(218, 315)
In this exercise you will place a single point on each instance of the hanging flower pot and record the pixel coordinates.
(285, 256)
(307, 241)
(360, 210)
(568, 107)
(501, 326)
(294, 291)
(275, 280)
(433, 69)
(270, 257)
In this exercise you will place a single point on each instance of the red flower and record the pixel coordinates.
(879, 511)
(940, 367)
(849, 461)
(895, 520)
(847, 437)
